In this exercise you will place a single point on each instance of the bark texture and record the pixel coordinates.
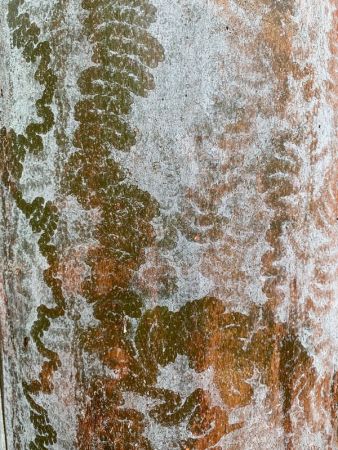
(169, 224)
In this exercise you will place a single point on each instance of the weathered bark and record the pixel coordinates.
(169, 208)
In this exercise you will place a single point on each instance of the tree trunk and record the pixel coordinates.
(169, 218)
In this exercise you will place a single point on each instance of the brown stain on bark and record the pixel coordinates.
(203, 330)
(290, 364)
(277, 352)
(123, 54)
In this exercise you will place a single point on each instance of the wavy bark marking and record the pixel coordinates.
(225, 256)
(98, 182)
(325, 202)
(132, 344)
(288, 161)
(313, 240)
(224, 241)
(42, 216)
(321, 301)
(229, 217)
(232, 344)
(123, 52)
(288, 178)
(281, 184)
(291, 162)
(280, 179)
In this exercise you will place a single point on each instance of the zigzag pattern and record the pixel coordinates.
(123, 52)
(279, 182)
(42, 216)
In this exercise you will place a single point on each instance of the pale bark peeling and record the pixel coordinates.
(169, 224)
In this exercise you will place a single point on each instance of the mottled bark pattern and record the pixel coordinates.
(169, 207)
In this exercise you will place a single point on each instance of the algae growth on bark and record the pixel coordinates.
(169, 224)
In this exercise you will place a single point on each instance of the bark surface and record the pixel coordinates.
(169, 224)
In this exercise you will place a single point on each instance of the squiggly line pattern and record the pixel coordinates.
(123, 52)
(200, 330)
(42, 215)
(280, 184)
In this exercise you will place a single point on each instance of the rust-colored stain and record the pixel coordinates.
(260, 213)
